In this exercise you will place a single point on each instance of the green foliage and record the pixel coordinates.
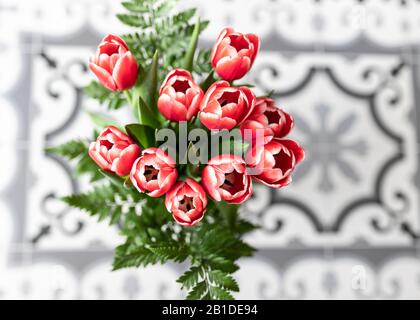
(223, 280)
(161, 29)
(203, 62)
(71, 149)
(215, 247)
(144, 135)
(99, 202)
(145, 113)
(113, 178)
(199, 291)
(77, 151)
(188, 62)
(101, 121)
(208, 81)
(151, 236)
(191, 277)
(208, 284)
(113, 100)
(170, 251)
(126, 257)
(149, 83)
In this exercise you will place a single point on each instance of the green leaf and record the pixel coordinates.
(145, 114)
(208, 81)
(198, 291)
(190, 277)
(135, 7)
(71, 149)
(100, 202)
(221, 241)
(243, 226)
(134, 258)
(112, 99)
(86, 165)
(172, 251)
(202, 64)
(143, 134)
(113, 178)
(127, 183)
(77, 150)
(219, 294)
(217, 239)
(229, 213)
(220, 263)
(270, 93)
(133, 20)
(184, 16)
(165, 31)
(148, 87)
(165, 7)
(223, 280)
(101, 121)
(189, 56)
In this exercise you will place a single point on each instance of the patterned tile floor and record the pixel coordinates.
(348, 227)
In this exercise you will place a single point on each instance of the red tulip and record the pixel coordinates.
(225, 178)
(224, 107)
(180, 96)
(114, 151)
(114, 64)
(273, 163)
(234, 54)
(187, 202)
(272, 121)
(154, 172)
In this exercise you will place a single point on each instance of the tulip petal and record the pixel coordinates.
(103, 76)
(104, 62)
(126, 160)
(233, 68)
(125, 71)
(222, 35)
(210, 182)
(171, 109)
(255, 40)
(297, 150)
(97, 157)
(113, 39)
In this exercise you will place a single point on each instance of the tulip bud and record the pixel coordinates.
(114, 64)
(187, 202)
(154, 172)
(224, 107)
(225, 178)
(114, 151)
(234, 54)
(271, 120)
(274, 162)
(180, 96)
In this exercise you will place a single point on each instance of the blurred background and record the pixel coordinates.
(347, 228)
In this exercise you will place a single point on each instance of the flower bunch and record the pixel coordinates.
(173, 180)
(223, 106)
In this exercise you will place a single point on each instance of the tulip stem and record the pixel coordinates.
(133, 108)
(128, 96)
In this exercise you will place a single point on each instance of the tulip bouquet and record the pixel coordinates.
(173, 180)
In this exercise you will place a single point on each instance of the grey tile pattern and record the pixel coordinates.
(349, 225)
